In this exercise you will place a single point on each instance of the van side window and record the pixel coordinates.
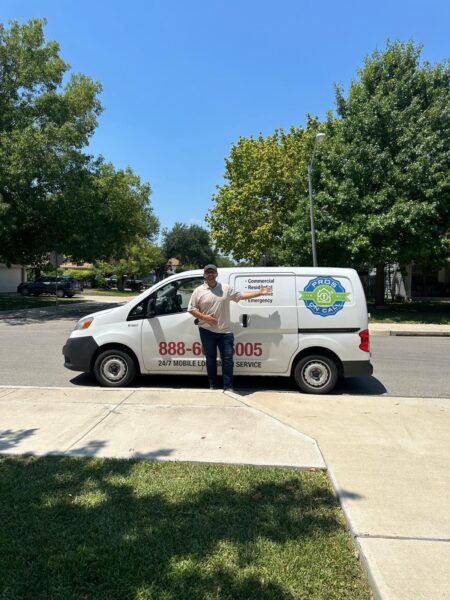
(138, 312)
(174, 297)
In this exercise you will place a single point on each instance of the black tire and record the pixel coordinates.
(25, 291)
(69, 294)
(114, 368)
(316, 374)
(60, 293)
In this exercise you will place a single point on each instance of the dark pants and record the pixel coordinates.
(224, 341)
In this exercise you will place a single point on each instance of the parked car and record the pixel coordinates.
(131, 283)
(137, 285)
(111, 282)
(62, 286)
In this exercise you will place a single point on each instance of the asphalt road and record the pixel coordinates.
(30, 354)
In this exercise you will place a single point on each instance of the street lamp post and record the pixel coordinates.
(319, 139)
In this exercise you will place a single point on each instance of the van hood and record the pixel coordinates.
(101, 312)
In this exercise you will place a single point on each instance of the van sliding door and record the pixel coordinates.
(265, 328)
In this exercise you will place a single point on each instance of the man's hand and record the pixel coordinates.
(265, 290)
(211, 319)
(261, 292)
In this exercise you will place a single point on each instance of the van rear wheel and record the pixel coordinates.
(316, 374)
(114, 368)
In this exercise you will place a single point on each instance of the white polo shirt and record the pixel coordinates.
(214, 301)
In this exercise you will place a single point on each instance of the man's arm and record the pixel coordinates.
(199, 315)
(261, 292)
(196, 313)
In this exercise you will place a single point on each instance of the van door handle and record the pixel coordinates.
(244, 320)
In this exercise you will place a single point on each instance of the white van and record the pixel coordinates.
(312, 326)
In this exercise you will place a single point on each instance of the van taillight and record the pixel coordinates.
(364, 345)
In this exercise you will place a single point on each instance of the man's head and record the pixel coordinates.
(210, 274)
(210, 268)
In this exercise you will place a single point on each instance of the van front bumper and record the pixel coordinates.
(78, 353)
(357, 368)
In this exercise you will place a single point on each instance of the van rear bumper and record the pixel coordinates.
(357, 368)
(78, 353)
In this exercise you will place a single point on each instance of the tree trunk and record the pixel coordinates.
(379, 285)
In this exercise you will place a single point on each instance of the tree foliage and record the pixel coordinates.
(113, 208)
(53, 196)
(140, 258)
(381, 177)
(191, 245)
(266, 177)
(385, 182)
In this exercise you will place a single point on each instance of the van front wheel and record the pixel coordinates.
(316, 374)
(114, 368)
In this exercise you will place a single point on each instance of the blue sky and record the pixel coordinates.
(182, 80)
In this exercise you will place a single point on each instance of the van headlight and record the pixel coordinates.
(84, 323)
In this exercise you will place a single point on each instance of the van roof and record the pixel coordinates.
(308, 271)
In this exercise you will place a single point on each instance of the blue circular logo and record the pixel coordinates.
(324, 296)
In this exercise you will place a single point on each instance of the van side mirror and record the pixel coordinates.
(151, 308)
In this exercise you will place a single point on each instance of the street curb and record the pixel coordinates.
(421, 333)
(353, 532)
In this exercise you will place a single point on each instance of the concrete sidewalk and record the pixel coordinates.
(389, 462)
(185, 425)
(388, 458)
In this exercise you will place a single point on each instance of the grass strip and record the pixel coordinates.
(77, 528)
(411, 312)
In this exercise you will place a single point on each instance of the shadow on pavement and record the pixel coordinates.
(10, 438)
(59, 312)
(361, 386)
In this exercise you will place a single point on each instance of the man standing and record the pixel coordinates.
(210, 304)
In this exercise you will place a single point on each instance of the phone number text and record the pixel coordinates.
(180, 349)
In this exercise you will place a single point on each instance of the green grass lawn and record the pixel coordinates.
(77, 528)
(16, 302)
(411, 312)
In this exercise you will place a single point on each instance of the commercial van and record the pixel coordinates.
(312, 327)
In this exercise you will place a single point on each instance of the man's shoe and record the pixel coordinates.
(228, 389)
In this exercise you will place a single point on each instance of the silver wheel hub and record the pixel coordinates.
(316, 374)
(114, 368)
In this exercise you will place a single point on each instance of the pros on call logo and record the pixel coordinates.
(324, 296)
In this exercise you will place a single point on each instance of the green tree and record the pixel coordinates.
(266, 179)
(224, 262)
(191, 245)
(109, 208)
(382, 177)
(140, 258)
(52, 195)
